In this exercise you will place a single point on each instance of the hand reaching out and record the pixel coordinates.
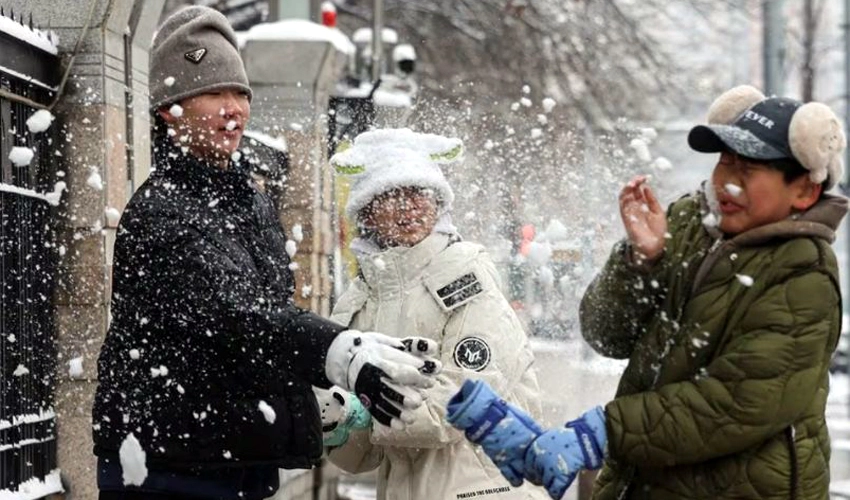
(644, 219)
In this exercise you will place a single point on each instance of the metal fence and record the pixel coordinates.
(27, 272)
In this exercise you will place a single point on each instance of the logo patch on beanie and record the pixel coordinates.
(196, 55)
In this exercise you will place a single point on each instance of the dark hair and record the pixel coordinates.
(790, 168)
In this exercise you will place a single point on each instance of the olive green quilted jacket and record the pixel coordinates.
(728, 342)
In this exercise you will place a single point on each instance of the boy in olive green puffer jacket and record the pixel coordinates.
(728, 308)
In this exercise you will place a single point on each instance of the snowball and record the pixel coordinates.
(230, 125)
(548, 104)
(525, 101)
(541, 119)
(169, 81)
(20, 371)
(489, 145)
(21, 157)
(514, 106)
(556, 231)
(176, 110)
(236, 156)
(710, 220)
(296, 127)
(293, 266)
(732, 189)
(134, 354)
(291, 247)
(744, 279)
(526, 89)
(75, 367)
(132, 458)
(641, 150)
(536, 133)
(648, 134)
(40, 121)
(297, 233)
(306, 291)
(662, 163)
(94, 181)
(546, 277)
(268, 412)
(539, 253)
(112, 216)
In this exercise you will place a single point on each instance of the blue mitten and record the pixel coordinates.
(503, 431)
(554, 459)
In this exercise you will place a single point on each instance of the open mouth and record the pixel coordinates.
(231, 127)
(728, 206)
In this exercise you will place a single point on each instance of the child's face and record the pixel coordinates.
(401, 217)
(752, 194)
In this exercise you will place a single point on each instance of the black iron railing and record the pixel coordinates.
(27, 267)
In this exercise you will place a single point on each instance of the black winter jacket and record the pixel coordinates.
(204, 331)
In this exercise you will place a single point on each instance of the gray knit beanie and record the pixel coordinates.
(193, 52)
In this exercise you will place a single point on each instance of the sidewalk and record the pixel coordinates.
(838, 421)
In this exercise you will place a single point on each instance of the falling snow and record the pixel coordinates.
(40, 121)
(75, 367)
(20, 156)
(744, 279)
(268, 412)
(94, 181)
(132, 458)
(175, 110)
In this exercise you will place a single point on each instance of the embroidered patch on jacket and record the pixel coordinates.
(196, 55)
(472, 353)
(460, 290)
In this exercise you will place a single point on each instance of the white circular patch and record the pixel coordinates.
(472, 353)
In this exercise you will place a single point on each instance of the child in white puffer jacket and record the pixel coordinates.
(418, 276)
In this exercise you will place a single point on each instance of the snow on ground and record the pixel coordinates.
(35, 488)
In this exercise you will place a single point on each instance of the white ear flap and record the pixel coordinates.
(730, 104)
(817, 142)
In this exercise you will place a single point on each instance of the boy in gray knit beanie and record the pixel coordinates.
(202, 287)
(194, 52)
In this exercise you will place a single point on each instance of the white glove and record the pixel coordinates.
(341, 413)
(382, 373)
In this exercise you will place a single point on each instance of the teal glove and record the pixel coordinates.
(341, 413)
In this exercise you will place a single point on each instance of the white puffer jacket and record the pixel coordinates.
(448, 292)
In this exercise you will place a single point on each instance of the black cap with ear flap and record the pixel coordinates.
(760, 132)
(743, 121)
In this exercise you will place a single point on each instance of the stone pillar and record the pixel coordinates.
(292, 81)
(105, 152)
